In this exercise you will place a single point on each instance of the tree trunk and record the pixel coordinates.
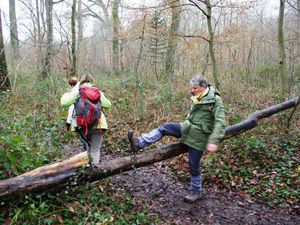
(211, 45)
(13, 29)
(39, 38)
(4, 79)
(115, 41)
(49, 33)
(73, 47)
(79, 35)
(282, 56)
(141, 48)
(172, 41)
(297, 50)
(59, 173)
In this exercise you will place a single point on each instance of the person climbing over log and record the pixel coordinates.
(90, 119)
(202, 130)
(58, 174)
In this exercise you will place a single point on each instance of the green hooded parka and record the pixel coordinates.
(205, 123)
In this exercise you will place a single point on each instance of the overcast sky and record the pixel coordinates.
(271, 9)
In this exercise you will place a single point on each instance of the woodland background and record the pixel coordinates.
(142, 55)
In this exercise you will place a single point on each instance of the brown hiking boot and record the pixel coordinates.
(192, 197)
(134, 141)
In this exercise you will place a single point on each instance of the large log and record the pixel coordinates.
(59, 173)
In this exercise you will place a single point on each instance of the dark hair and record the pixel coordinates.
(73, 81)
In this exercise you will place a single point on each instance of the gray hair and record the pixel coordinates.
(200, 80)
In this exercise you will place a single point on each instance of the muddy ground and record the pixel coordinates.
(163, 195)
(155, 187)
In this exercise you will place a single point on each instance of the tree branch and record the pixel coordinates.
(192, 36)
(60, 173)
(202, 10)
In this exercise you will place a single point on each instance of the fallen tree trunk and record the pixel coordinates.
(252, 119)
(59, 173)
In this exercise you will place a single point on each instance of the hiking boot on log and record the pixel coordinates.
(192, 197)
(134, 142)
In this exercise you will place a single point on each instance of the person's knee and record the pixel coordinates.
(162, 129)
(168, 128)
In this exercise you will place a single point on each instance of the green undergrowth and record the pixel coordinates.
(262, 163)
(90, 204)
(31, 128)
(263, 166)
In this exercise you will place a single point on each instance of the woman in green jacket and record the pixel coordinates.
(94, 136)
(203, 129)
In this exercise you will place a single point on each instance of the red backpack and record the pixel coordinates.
(87, 108)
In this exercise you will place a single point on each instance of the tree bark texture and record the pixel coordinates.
(49, 41)
(211, 45)
(115, 41)
(282, 55)
(79, 34)
(4, 79)
(141, 47)
(73, 47)
(172, 40)
(208, 15)
(13, 29)
(38, 34)
(59, 173)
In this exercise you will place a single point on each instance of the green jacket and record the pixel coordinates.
(205, 123)
(69, 98)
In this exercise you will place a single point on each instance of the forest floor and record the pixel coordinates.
(162, 193)
(155, 187)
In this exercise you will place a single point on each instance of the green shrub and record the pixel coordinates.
(93, 204)
(267, 70)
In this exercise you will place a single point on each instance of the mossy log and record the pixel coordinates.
(59, 173)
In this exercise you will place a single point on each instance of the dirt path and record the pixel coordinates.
(162, 194)
(155, 187)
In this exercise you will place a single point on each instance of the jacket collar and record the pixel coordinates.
(209, 97)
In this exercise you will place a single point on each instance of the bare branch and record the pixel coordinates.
(58, 2)
(192, 36)
(202, 10)
(94, 14)
(292, 6)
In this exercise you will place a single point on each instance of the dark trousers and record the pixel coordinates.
(194, 155)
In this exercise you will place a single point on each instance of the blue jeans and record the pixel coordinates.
(173, 129)
(194, 166)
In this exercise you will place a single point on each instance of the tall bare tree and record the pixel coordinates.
(141, 46)
(79, 32)
(282, 55)
(115, 41)
(73, 48)
(38, 34)
(211, 44)
(49, 40)
(46, 68)
(13, 29)
(4, 79)
(208, 14)
(172, 41)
